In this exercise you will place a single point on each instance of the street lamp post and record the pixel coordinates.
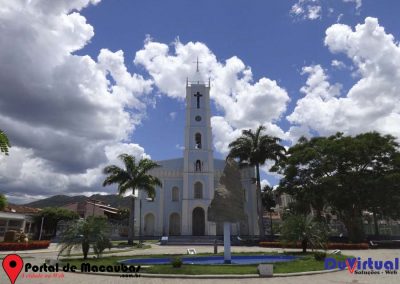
(41, 229)
(140, 221)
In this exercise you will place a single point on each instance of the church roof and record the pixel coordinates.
(172, 164)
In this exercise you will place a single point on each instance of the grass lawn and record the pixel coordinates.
(305, 263)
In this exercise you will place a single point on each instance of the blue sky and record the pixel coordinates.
(299, 67)
(262, 33)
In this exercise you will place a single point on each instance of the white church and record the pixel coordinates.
(180, 206)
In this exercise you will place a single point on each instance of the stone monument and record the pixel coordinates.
(228, 204)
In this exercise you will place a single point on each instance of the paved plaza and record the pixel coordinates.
(334, 277)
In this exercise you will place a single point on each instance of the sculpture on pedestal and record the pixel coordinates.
(227, 205)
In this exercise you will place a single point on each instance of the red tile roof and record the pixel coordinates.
(13, 208)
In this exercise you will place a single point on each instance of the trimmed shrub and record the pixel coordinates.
(24, 246)
(319, 255)
(176, 262)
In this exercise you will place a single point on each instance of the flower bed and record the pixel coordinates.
(330, 245)
(24, 246)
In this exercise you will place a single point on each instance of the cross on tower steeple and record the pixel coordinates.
(198, 95)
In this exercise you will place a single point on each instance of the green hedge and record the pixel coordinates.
(330, 245)
(24, 246)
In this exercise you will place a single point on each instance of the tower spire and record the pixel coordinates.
(197, 64)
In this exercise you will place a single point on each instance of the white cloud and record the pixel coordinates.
(314, 12)
(338, 64)
(179, 147)
(223, 133)
(307, 9)
(63, 112)
(264, 182)
(357, 2)
(172, 115)
(372, 103)
(316, 9)
(244, 103)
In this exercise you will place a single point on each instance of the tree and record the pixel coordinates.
(52, 216)
(3, 202)
(4, 143)
(348, 174)
(134, 176)
(253, 149)
(84, 233)
(305, 229)
(268, 202)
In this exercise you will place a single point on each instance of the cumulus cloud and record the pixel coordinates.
(243, 102)
(372, 103)
(64, 113)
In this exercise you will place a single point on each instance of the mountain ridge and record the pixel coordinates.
(112, 200)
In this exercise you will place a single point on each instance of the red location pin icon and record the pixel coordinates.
(12, 265)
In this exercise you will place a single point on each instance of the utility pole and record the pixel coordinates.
(41, 229)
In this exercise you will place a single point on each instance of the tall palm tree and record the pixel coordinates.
(253, 149)
(4, 142)
(134, 176)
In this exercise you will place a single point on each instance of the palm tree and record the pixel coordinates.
(134, 176)
(4, 142)
(304, 229)
(93, 231)
(253, 149)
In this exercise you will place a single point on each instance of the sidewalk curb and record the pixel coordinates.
(209, 276)
(4, 253)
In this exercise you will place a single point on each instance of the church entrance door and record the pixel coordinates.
(174, 224)
(198, 222)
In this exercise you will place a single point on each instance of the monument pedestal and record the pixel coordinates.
(227, 243)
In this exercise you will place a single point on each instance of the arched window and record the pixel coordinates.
(198, 166)
(197, 139)
(175, 194)
(198, 190)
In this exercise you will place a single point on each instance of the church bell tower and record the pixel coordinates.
(198, 175)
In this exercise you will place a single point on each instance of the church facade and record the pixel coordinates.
(180, 206)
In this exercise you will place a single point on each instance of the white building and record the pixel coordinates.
(180, 206)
